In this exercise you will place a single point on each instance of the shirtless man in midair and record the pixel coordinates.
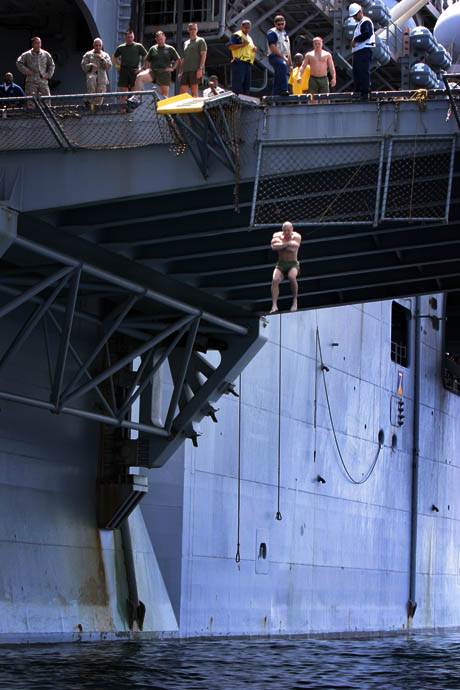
(286, 243)
(320, 62)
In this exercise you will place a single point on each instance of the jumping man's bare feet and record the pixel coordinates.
(273, 310)
(294, 306)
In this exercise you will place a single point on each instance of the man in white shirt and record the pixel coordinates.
(361, 46)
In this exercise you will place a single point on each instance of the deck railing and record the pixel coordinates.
(81, 121)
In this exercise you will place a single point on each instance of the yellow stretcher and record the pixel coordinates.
(182, 103)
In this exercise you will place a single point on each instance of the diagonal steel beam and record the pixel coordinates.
(116, 317)
(65, 338)
(39, 287)
(219, 140)
(112, 386)
(129, 283)
(78, 359)
(31, 323)
(124, 361)
(85, 414)
(178, 384)
(143, 383)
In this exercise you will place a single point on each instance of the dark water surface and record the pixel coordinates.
(418, 661)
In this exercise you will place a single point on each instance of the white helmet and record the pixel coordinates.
(354, 9)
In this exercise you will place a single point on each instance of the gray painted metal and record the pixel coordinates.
(8, 228)
(131, 298)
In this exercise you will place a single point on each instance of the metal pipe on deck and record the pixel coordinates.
(400, 14)
(406, 9)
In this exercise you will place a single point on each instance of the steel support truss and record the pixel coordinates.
(205, 139)
(48, 300)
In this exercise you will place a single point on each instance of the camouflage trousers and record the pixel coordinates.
(96, 83)
(36, 86)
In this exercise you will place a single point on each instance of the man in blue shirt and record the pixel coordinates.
(9, 89)
(243, 55)
(279, 56)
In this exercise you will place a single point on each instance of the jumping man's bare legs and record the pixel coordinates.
(292, 275)
(277, 278)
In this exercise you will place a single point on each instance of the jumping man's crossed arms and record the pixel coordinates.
(286, 243)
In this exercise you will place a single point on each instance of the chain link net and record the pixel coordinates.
(76, 122)
(418, 179)
(227, 117)
(318, 183)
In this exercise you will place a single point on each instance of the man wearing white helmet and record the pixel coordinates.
(361, 46)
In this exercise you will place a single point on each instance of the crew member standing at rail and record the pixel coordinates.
(126, 59)
(298, 82)
(286, 243)
(95, 64)
(320, 62)
(160, 62)
(192, 64)
(361, 46)
(243, 56)
(38, 66)
(279, 56)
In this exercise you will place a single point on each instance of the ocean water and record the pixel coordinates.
(415, 661)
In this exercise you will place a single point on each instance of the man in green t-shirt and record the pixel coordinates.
(192, 64)
(161, 60)
(126, 59)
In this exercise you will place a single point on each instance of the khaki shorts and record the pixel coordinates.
(160, 77)
(190, 79)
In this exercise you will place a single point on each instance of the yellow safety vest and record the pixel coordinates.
(245, 53)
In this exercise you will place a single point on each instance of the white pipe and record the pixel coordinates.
(406, 7)
(410, 13)
(400, 14)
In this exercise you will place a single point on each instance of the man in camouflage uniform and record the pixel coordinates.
(38, 66)
(96, 63)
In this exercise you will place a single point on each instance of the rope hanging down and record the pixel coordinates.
(374, 462)
(237, 556)
(278, 512)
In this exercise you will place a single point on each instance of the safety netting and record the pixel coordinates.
(312, 182)
(80, 122)
(418, 179)
(353, 181)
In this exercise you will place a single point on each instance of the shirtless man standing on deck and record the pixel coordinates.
(320, 62)
(286, 243)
